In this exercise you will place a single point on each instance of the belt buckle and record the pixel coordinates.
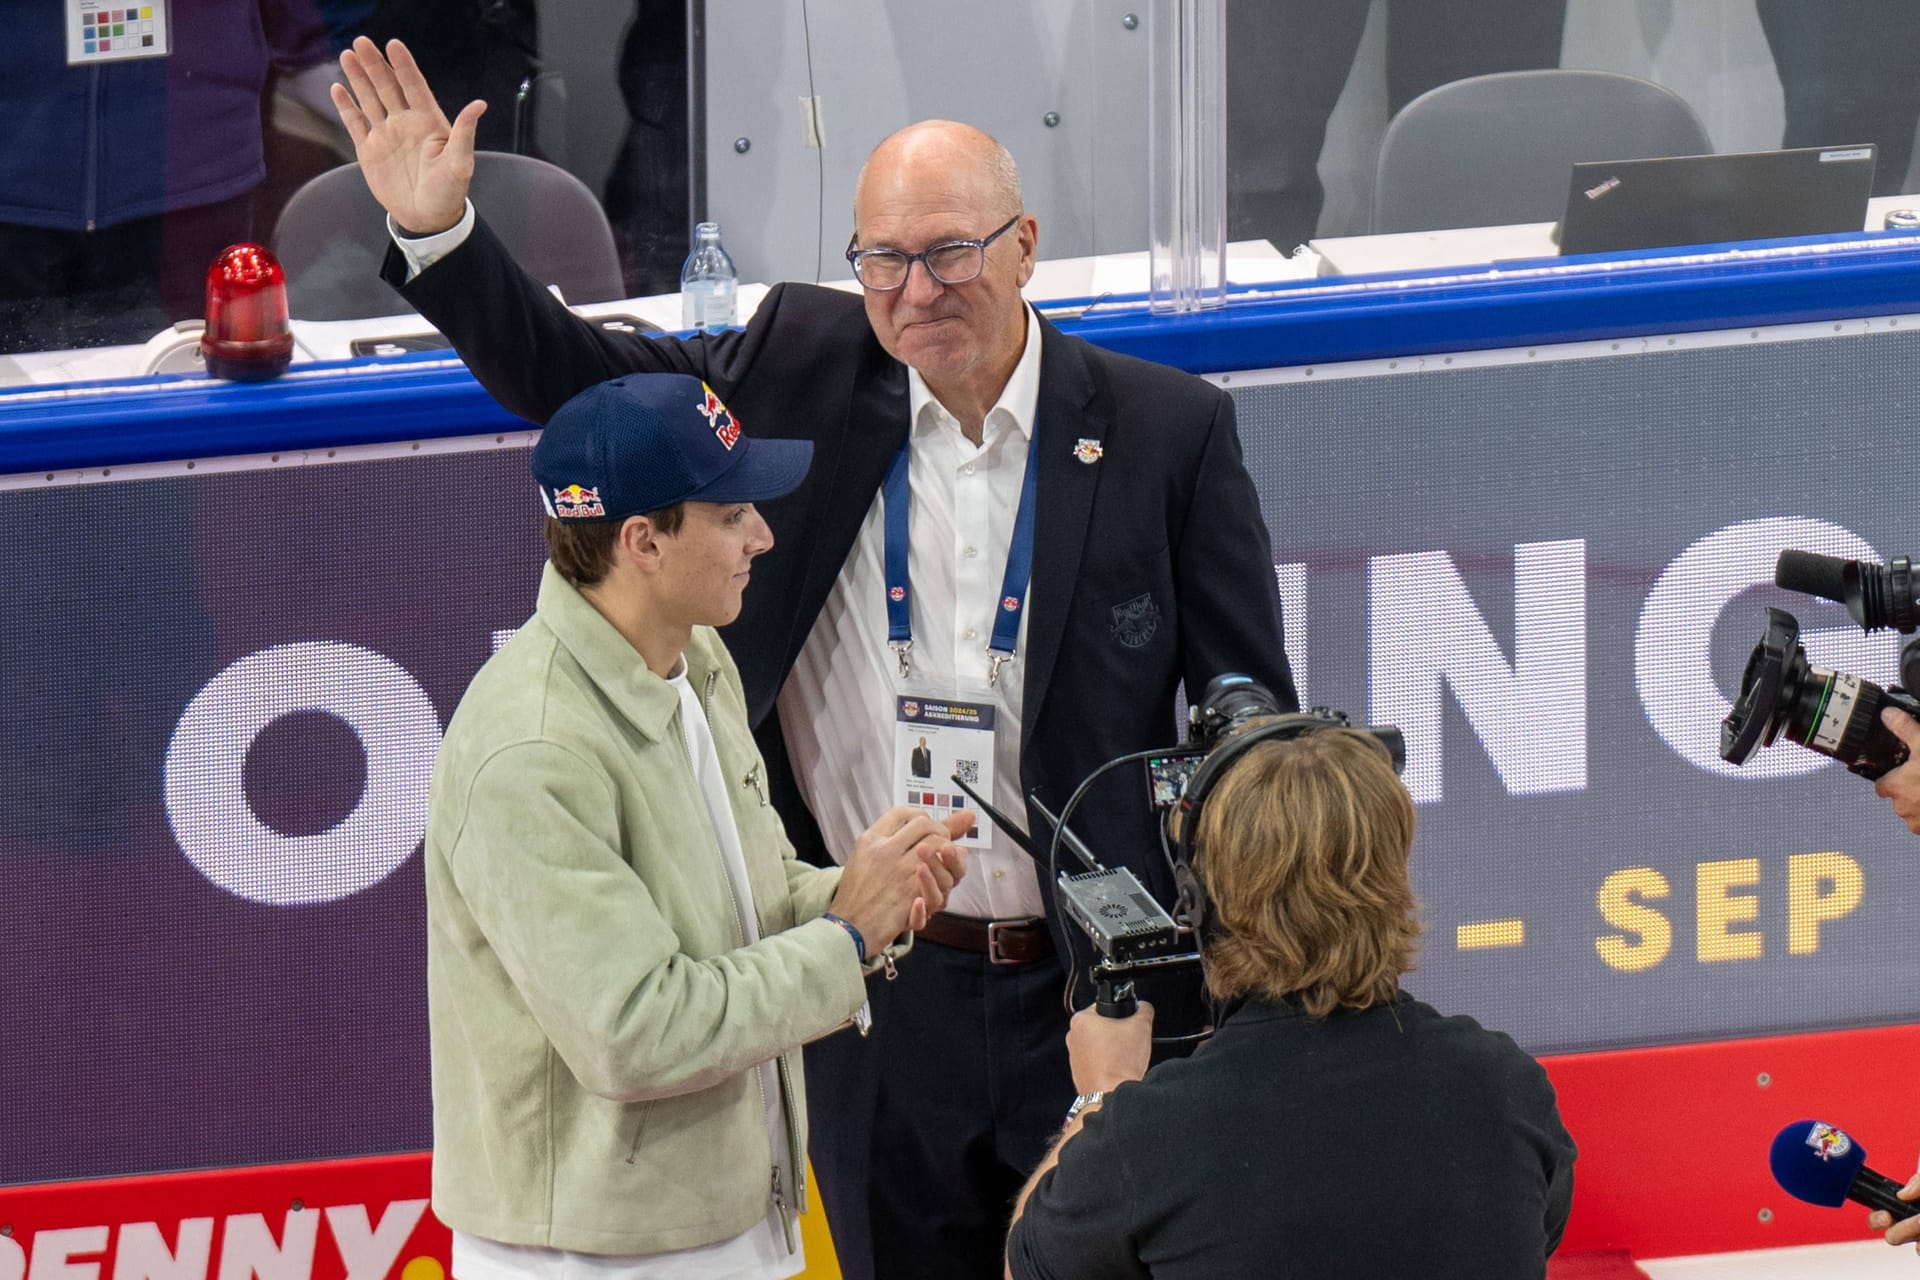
(994, 927)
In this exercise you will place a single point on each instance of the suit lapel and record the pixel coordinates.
(856, 461)
(1065, 415)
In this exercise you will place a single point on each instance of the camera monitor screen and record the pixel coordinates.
(1169, 774)
(1757, 195)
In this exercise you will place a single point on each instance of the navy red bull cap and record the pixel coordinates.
(638, 443)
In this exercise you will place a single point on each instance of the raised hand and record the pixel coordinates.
(416, 164)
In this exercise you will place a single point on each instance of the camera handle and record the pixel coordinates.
(1910, 665)
(1113, 993)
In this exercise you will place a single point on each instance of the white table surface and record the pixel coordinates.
(1253, 262)
(1248, 263)
(1478, 246)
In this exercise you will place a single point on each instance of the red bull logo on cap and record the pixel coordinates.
(1828, 1142)
(725, 426)
(577, 502)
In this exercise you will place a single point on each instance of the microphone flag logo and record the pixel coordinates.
(1828, 1142)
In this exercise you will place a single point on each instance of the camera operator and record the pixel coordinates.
(1328, 1099)
(1902, 784)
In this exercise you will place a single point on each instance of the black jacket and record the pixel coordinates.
(1375, 1144)
(1151, 566)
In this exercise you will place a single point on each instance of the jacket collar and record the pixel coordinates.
(1248, 1009)
(1017, 402)
(1070, 411)
(614, 666)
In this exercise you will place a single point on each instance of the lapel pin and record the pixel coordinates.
(1088, 451)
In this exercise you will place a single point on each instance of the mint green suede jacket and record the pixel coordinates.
(593, 1012)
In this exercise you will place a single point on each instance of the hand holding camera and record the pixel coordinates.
(1902, 784)
(1108, 1052)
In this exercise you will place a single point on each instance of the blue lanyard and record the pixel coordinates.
(1013, 586)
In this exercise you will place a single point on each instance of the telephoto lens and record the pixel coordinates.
(1832, 712)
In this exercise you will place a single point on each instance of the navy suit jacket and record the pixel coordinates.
(1151, 566)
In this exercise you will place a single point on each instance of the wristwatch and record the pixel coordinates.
(1084, 1101)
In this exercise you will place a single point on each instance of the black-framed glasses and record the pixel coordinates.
(949, 262)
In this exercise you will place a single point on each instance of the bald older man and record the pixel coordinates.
(1011, 543)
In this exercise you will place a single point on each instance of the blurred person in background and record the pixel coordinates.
(1288, 63)
(124, 178)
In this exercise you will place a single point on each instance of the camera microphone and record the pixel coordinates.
(1876, 595)
(1822, 1164)
(1812, 575)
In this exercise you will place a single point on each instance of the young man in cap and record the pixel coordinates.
(623, 954)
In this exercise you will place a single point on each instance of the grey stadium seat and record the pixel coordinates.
(332, 235)
(1497, 149)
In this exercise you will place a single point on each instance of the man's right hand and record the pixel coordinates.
(415, 163)
(1902, 785)
(899, 873)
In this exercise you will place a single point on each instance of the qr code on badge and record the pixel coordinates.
(968, 771)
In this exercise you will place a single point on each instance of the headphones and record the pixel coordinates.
(1230, 701)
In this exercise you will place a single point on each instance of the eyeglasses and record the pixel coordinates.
(949, 262)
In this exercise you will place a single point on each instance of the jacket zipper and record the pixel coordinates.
(91, 210)
(759, 1076)
(793, 1135)
(780, 1207)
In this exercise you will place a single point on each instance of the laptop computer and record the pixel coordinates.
(1752, 195)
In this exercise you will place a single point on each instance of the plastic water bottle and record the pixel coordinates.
(707, 283)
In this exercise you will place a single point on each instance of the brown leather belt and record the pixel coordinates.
(1018, 941)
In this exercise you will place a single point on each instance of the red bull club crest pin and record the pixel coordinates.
(1088, 451)
(576, 502)
(725, 425)
(1828, 1141)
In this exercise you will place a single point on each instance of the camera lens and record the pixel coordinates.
(1832, 712)
(1229, 700)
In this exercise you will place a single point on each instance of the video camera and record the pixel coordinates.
(1129, 929)
(1832, 712)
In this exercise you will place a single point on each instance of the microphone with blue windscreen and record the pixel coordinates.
(1822, 1164)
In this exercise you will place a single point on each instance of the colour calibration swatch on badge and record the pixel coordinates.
(99, 33)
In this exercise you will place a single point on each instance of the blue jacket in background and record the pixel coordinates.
(105, 143)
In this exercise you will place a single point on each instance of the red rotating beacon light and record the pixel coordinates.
(247, 338)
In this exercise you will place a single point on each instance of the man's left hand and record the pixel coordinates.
(1108, 1052)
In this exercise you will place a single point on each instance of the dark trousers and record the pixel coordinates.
(124, 283)
(1848, 73)
(924, 1132)
(1287, 63)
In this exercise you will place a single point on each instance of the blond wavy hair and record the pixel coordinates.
(1302, 848)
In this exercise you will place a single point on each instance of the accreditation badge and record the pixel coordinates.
(118, 33)
(935, 740)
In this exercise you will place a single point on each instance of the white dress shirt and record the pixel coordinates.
(837, 709)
